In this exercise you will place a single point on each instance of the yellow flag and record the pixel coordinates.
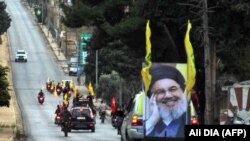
(191, 71)
(91, 90)
(145, 70)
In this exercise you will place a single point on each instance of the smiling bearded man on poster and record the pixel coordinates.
(167, 103)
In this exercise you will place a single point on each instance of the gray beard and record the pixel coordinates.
(168, 115)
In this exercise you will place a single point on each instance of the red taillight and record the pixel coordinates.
(194, 121)
(58, 117)
(135, 121)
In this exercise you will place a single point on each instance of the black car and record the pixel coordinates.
(82, 118)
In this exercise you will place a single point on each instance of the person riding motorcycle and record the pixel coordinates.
(119, 119)
(58, 111)
(102, 109)
(41, 97)
(66, 89)
(66, 116)
(40, 93)
(59, 87)
(90, 99)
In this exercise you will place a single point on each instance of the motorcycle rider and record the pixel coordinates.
(103, 107)
(66, 116)
(76, 99)
(41, 93)
(58, 86)
(90, 99)
(119, 117)
(66, 89)
(48, 83)
(58, 111)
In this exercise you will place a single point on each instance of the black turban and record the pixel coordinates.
(164, 71)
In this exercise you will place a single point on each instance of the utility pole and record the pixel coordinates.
(96, 69)
(207, 67)
(120, 91)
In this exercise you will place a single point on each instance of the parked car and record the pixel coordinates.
(21, 55)
(132, 125)
(82, 119)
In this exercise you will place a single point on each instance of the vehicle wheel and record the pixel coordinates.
(93, 130)
(15, 60)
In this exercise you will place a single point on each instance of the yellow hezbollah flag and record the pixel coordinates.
(145, 70)
(191, 71)
(91, 90)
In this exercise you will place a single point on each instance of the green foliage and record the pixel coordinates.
(112, 85)
(5, 18)
(4, 90)
(120, 37)
(230, 31)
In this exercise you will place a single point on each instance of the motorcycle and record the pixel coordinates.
(58, 119)
(66, 128)
(119, 120)
(58, 91)
(119, 124)
(41, 99)
(114, 121)
(103, 115)
(52, 88)
(48, 85)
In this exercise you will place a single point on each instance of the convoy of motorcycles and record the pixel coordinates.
(116, 119)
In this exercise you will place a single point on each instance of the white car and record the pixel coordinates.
(21, 55)
(73, 70)
(132, 125)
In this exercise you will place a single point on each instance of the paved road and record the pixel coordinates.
(13, 110)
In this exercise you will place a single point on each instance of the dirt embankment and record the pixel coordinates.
(11, 128)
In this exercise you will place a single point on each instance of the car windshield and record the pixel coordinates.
(20, 52)
(80, 112)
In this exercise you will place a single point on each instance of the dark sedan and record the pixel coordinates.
(82, 119)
